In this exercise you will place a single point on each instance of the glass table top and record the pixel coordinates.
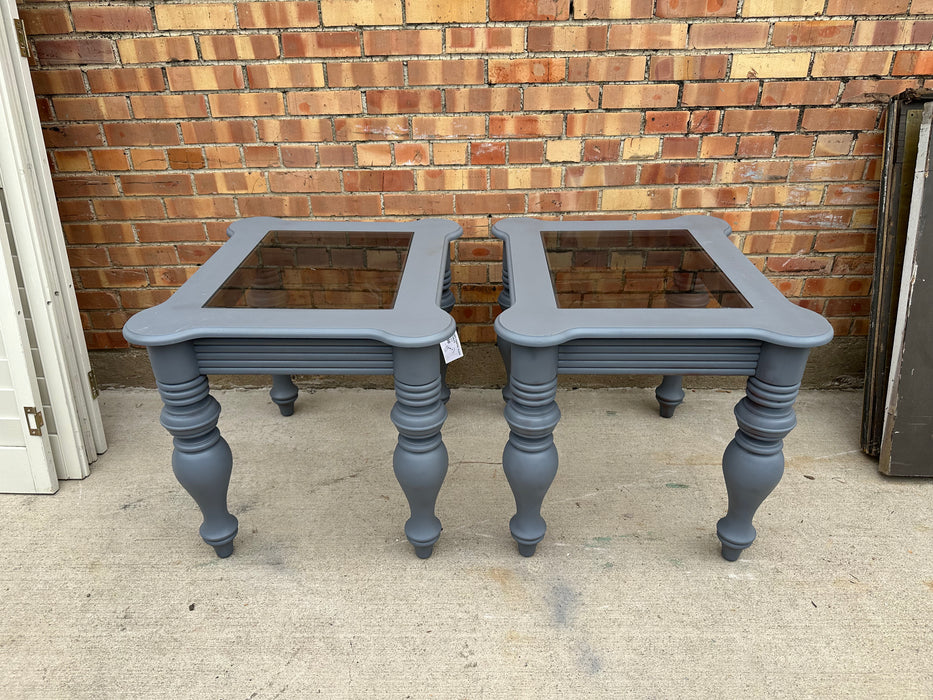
(635, 269)
(318, 270)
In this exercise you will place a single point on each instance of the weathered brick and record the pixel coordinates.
(163, 49)
(851, 194)
(770, 120)
(53, 52)
(704, 67)
(72, 161)
(718, 146)
(766, 171)
(489, 203)
(110, 159)
(283, 14)
(759, 146)
(485, 40)
(812, 33)
(45, 20)
(921, 7)
(403, 101)
(563, 151)
(72, 136)
(612, 9)
(114, 18)
(487, 153)
(601, 150)
(696, 8)
(562, 201)
(469, 71)
(869, 144)
(649, 96)
(840, 119)
(330, 102)
(214, 131)
(58, 82)
(637, 199)
(412, 154)
(567, 38)
(619, 175)
(666, 122)
(431, 204)
(143, 255)
(168, 106)
(889, 32)
(259, 104)
(561, 98)
(243, 47)
(321, 44)
(526, 125)
(260, 156)
(799, 264)
(865, 7)
(346, 205)
(652, 36)
(75, 210)
(786, 195)
(381, 74)
(126, 80)
(91, 108)
(371, 128)
(770, 65)
(833, 145)
(781, 8)
(334, 155)
(245, 182)
(604, 124)
(113, 278)
(875, 90)
(851, 63)
(524, 178)
(818, 92)
(378, 180)
(199, 208)
(304, 181)
(680, 147)
(339, 13)
(837, 287)
(305, 156)
(185, 158)
(531, 70)
(448, 127)
(195, 16)
(205, 78)
(641, 148)
(913, 63)
(117, 209)
(528, 10)
(711, 197)
(284, 75)
(86, 234)
(441, 12)
(483, 100)
(451, 179)
(729, 35)
(374, 154)
(86, 186)
(294, 130)
(606, 69)
(827, 170)
(675, 173)
(402, 42)
(704, 121)
(720, 94)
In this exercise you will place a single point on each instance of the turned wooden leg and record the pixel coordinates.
(753, 462)
(670, 394)
(530, 457)
(201, 460)
(420, 458)
(284, 393)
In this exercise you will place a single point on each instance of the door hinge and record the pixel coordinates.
(21, 37)
(34, 418)
(92, 381)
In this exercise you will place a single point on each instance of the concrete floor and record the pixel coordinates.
(106, 591)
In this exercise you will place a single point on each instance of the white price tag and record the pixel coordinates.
(451, 348)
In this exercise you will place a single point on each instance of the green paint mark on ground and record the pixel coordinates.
(677, 486)
(598, 541)
(612, 413)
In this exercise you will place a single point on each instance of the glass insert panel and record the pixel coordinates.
(318, 270)
(635, 270)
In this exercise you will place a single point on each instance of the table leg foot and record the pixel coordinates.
(527, 550)
(730, 553)
(670, 395)
(420, 458)
(223, 550)
(424, 552)
(284, 393)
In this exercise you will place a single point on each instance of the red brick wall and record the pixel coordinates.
(165, 121)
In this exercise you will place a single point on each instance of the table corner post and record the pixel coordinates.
(420, 458)
(753, 462)
(201, 459)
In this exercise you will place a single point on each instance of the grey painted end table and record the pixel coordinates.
(668, 297)
(286, 297)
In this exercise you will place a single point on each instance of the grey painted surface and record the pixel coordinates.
(188, 341)
(768, 342)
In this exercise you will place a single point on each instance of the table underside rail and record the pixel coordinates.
(292, 356)
(661, 356)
